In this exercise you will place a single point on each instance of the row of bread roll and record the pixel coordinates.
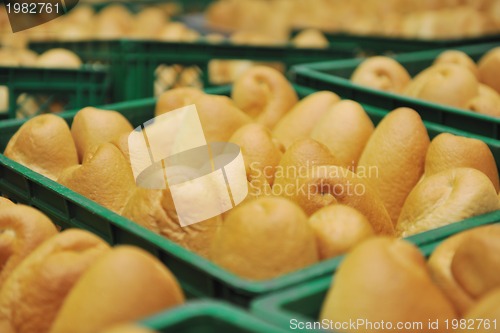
(459, 280)
(54, 58)
(73, 281)
(412, 19)
(312, 166)
(454, 79)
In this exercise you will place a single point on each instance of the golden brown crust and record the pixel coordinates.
(105, 177)
(123, 276)
(23, 230)
(263, 239)
(92, 127)
(264, 94)
(361, 288)
(42, 136)
(300, 121)
(32, 295)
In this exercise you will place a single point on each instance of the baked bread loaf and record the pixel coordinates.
(92, 127)
(381, 73)
(104, 176)
(458, 58)
(460, 192)
(123, 285)
(369, 284)
(34, 292)
(489, 72)
(393, 159)
(444, 83)
(42, 136)
(264, 94)
(330, 184)
(261, 151)
(448, 151)
(299, 122)
(345, 129)
(476, 262)
(263, 239)
(23, 229)
(339, 228)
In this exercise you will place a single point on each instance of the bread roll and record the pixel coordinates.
(310, 38)
(486, 102)
(298, 123)
(58, 58)
(381, 73)
(126, 284)
(4, 202)
(219, 117)
(370, 281)
(296, 163)
(489, 69)
(155, 210)
(263, 239)
(439, 264)
(104, 176)
(486, 310)
(23, 229)
(345, 129)
(33, 294)
(176, 98)
(445, 83)
(92, 126)
(261, 151)
(458, 58)
(448, 196)
(42, 136)
(448, 151)
(338, 228)
(264, 94)
(476, 262)
(393, 159)
(330, 184)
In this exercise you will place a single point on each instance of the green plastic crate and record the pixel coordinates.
(370, 44)
(133, 62)
(73, 87)
(208, 317)
(198, 276)
(304, 302)
(335, 76)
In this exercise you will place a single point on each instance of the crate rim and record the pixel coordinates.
(213, 308)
